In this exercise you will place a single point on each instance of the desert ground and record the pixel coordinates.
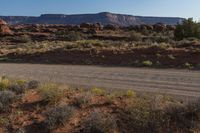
(94, 78)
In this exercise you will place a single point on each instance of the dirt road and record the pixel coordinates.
(168, 81)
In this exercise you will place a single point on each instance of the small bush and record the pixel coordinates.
(140, 117)
(82, 99)
(20, 130)
(109, 99)
(33, 84)
(21, 82)
(171, 57)
(4, 121)
(91, 43)
(99, 123)
(58, 116)
(135, 36)
(130, 94)
(50, 93)
(4, 84)
(98, 91)
(6, 99)
(147, 63)
(139, 112)
(178, 116)
(23, 39)
(70, 36)
(188, 65)
(18, 88)
(186, 116)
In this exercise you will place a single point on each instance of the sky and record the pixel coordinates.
(166, 8)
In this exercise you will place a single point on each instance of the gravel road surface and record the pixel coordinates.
(183, 83)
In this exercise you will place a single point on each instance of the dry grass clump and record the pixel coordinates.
(110, 99)
(135, 36)
(4, 83)
(130, 94)
(98, 91)
(57, 116)
(16, 86)
(50, 93)
(82, 99)
(70, 35)
(22, 39)
(140, 117)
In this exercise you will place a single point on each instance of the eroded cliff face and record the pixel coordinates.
(103, 18)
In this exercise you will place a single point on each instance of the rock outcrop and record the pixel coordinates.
(4, 29)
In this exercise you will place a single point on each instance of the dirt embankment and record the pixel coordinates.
(134, 57)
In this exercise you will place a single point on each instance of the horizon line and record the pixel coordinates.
(95, 13)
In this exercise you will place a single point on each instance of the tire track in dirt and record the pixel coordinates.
(184, 83)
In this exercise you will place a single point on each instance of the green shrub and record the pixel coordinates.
(187, 29)
(6, 99)
(57, 116)
(147, 63)
(99, 123)
(50, 93)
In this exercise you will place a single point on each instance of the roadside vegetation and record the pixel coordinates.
(188, 29)
(157, 46)
(41, 107)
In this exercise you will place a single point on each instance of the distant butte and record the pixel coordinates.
(103, 18)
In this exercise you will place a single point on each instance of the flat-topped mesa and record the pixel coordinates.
(4, 29)
(105, 18)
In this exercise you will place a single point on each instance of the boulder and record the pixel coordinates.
(159, 27)
(2, 22)
(4, 29)
(85, 25)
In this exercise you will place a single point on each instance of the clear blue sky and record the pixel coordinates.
(180, 8)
